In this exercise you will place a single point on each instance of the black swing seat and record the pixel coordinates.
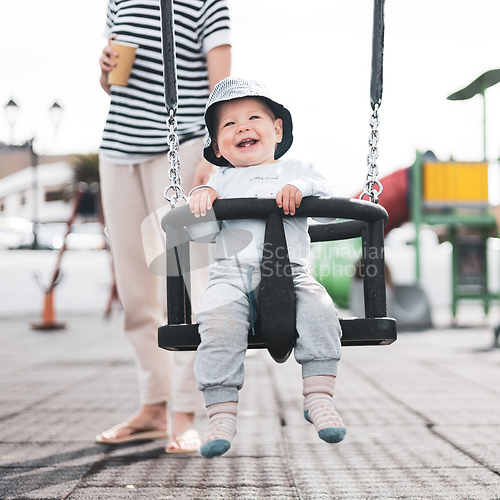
(275, 329)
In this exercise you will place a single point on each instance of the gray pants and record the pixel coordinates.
(224, 317)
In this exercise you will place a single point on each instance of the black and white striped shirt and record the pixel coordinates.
(136, 124)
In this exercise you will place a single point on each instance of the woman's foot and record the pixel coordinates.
(182, 422)
(189, 442)
(185, 438)
(150, 422)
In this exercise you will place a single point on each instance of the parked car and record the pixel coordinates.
(85, 236)
(15, 233)
(50, 236)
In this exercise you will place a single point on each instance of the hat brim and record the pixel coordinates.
(280, 112)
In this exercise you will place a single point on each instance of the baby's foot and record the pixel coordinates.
(319, 410)
(221, 429)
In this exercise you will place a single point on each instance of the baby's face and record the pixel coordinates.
(247, 132)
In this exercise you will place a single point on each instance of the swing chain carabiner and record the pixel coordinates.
(175, 163)
(371, 178)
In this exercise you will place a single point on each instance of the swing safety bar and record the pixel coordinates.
(365, 220)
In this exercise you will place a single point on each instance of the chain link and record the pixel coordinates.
(175, 163)
(371, 178)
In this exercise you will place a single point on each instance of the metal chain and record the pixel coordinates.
(371, 178)
(175, 163)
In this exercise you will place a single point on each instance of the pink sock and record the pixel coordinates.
(319, 410)
(221, 429)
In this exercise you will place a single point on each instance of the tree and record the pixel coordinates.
(86, 170)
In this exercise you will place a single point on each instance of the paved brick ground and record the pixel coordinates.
(423, 418)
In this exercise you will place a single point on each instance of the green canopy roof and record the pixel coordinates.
(478, 86)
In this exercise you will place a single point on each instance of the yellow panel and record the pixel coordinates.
(464, 190)
(484, 181)
(455, 182)
(429, 181)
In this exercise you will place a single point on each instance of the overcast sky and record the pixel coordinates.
(316, 61)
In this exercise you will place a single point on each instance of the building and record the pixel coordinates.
(38, 193)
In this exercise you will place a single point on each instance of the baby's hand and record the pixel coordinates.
(201, 201)
(288, 198)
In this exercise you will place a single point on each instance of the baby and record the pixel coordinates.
(248, 134)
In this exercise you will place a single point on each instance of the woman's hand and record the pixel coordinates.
(106, 63)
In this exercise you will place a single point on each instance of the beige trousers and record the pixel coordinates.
(133, 203)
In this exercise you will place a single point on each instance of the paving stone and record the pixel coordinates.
(55, 425)
(481, 442)
(372, 451)
(40, 482)
(422, 418)
(395, 484)
(52, 454)
(192, 472)
(220, 492)
(11, 407)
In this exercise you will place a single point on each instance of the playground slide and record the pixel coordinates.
(334, 263)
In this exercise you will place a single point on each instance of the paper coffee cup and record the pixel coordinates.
(120, 74)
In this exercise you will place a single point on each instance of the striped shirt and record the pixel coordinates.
(136, 126)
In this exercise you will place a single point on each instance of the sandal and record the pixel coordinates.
(110, 436)
(189, 442)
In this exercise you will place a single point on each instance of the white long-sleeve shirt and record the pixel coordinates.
(246, 236)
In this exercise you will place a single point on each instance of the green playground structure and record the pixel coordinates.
(334, 264)
(450, 195)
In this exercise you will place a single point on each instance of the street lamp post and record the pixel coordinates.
(56, 115)
(34, 166)
(12, 110)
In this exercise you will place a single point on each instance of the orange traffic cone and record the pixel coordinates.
(48, 321)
